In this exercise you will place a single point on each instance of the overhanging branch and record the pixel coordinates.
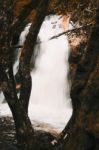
(69, 31)
(60, 34)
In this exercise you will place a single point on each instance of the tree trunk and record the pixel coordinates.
(19, 106)
(24, 130)
(27, 52)
(83, 134)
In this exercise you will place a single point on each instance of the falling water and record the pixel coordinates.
(50, 100)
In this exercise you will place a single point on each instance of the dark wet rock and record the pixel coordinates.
(8, 147)
(42, 139)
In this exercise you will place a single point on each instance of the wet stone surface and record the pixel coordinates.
(8, 139)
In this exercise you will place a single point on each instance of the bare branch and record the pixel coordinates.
(69, 31)
(16, 46)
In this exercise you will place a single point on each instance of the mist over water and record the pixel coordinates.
(50, 96)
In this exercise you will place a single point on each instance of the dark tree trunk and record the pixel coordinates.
(27, 52)
(83, 131)
(19, 106)
(24, 130)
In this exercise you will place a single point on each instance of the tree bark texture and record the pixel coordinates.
(83, 134)
(19, 106)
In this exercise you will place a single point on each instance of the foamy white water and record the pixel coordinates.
(50, 100)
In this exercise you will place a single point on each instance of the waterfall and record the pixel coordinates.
(50, 96)
(50, 100)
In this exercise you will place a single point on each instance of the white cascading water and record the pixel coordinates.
(50, 100)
